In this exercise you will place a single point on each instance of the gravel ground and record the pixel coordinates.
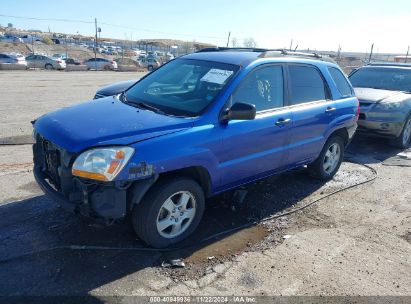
(356, 242)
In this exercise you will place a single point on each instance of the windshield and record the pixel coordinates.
(382, 78)
(182, 87)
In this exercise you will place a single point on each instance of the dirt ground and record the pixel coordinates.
(356, 242)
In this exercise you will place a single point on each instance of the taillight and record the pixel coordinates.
(112, 62)
(357, 116)
(59, 61)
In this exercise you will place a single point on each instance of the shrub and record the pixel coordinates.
(47, 40)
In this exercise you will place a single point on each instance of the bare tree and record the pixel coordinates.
(249, 42)
(234, 42)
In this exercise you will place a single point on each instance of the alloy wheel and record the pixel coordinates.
(407, 132)
(332, 158)
(176, 214)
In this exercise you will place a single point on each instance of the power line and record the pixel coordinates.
(112, 25)
(158, 32)
(47, 19)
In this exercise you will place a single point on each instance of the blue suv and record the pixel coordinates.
(199, 125)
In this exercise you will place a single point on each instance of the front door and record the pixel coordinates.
(255, 148)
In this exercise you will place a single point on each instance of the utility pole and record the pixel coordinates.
(291, 44)
(32, 45)
(339, 54)
(406, 56)
(372, 48)
(95, 45)
(228, 39)
(65, 41)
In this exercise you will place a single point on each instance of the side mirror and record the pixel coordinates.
(240, 111)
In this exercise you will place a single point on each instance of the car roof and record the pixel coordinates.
(388, 65)
(245, 56)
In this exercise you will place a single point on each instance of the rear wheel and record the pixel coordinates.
(150, 68)
(404, 140)
(330, 159)
(169, 213)
(48, 66)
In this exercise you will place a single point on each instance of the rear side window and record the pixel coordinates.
(306, 84)
(341, 82)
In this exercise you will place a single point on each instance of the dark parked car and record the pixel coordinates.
(114, 89)
(72, 61)
(384, 91)
(199, 125)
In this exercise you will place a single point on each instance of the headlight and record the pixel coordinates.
(102, 164)
(388, 106)
(34, 134)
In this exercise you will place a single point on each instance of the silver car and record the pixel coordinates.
(13, 58)
(44, 62)
(384, 92)
(101, 64)
(150, 63)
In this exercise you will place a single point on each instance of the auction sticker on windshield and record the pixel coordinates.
(216, 76)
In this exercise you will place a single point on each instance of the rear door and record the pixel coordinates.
(312, 110)
(256, 148)
(31, 61)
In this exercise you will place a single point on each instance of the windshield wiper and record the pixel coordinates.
(140, 104)
(147, 106)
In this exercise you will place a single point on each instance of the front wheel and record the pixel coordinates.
(169, 212)
(404, 139)
(330, 159)
(48, 66)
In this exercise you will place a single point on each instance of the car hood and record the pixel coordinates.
(116, 88)
(378, 95)
(107, 121)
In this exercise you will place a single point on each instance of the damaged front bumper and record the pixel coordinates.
(106, 201)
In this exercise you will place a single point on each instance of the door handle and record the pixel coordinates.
(330, 109)
(282, 122)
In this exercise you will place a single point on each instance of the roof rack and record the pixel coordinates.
(228, 49)
(273, 53)
(266, 53)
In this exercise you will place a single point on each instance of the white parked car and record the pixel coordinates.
(13, 58)
(101, 64)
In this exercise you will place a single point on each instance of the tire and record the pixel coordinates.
(48, 66)
(404, 140)
(150, 68)
(107, 68)
(319, 169)
(153, 219)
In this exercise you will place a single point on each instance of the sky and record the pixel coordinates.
(313, 24)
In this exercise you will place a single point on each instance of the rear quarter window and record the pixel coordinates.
(341, 82)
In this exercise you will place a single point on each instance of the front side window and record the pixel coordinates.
(182, 87)
(263, 88)
(395, 79)
(306, 84)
